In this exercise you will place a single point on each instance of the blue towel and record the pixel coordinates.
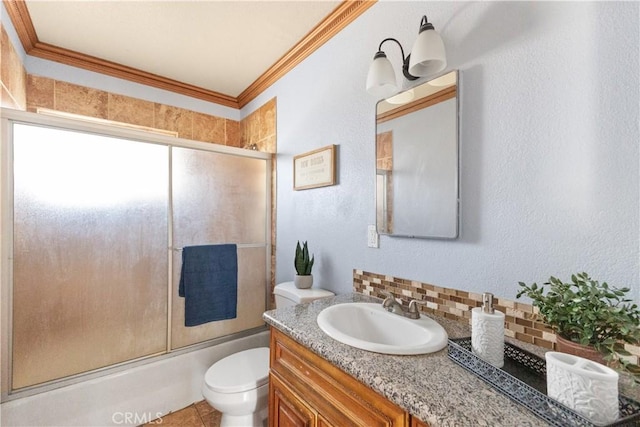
(209, 283)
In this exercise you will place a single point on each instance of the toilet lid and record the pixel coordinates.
(239, 372)
(288, 290)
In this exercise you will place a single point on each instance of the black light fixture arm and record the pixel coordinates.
(425, 24)
(405, 61)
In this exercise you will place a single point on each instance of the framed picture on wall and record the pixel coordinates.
(314, 169)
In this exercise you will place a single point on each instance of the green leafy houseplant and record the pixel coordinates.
(302, 262)
(590, 313)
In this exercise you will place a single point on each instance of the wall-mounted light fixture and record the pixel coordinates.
(427, 57)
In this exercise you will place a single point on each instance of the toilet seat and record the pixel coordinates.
(239, 372)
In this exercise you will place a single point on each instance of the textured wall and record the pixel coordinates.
(549, 146)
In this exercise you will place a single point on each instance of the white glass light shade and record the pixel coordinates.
(428, 55)
(402, 97)
(381, 79)
(448, 79)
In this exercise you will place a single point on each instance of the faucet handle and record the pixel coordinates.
(389, 301)
(387, 294)
(389, 298)
(413, 306)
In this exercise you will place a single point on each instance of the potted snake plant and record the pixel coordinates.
(591, 319)
(303, 265)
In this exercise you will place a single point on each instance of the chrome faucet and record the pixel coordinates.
(391, 305)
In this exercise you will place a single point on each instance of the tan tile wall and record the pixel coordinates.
(13, 77)
(520, 318)
(384, 151)
(43, 92)
(258, 130)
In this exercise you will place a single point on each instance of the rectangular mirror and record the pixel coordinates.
(417, 161)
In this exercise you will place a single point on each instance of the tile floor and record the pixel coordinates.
(200, 414)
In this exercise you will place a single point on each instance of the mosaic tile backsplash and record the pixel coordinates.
(520, 318)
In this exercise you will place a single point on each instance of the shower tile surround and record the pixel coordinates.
(12, 76)
(43, 92)
(255, 131)
(521, 321)
(258, 131)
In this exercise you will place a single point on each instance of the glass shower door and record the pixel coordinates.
(220, 198)
(90, 252)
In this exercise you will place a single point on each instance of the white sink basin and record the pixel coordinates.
(370, 327)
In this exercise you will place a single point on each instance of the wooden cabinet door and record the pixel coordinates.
(338, 399)
(286, 409)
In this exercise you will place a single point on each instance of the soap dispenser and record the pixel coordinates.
(487, 332)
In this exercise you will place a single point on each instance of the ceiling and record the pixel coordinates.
(222, 51)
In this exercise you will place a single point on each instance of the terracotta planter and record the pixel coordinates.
(570, 347)
(303, 282)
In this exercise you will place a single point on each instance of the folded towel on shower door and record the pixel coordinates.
(209, 283)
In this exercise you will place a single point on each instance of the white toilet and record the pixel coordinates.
(238, 385)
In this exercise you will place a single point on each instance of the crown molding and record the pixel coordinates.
(341, 16)
(19, 14)
(22, 23)
(91, 63)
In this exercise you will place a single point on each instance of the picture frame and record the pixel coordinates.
(315, 168)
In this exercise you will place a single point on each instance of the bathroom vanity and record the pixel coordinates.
(317, 381)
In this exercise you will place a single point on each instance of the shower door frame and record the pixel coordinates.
(7, 118)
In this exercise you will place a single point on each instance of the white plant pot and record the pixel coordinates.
(303, 282)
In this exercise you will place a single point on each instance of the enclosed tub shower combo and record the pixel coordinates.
(94, 221)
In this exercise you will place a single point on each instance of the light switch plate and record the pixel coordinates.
(372, 237)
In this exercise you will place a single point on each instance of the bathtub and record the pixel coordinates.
(127, 398)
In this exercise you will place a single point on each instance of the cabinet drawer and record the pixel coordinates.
(339, 399)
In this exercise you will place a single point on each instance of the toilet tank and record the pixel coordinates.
(288, 295)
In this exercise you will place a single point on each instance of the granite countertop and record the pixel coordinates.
(431, 386)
